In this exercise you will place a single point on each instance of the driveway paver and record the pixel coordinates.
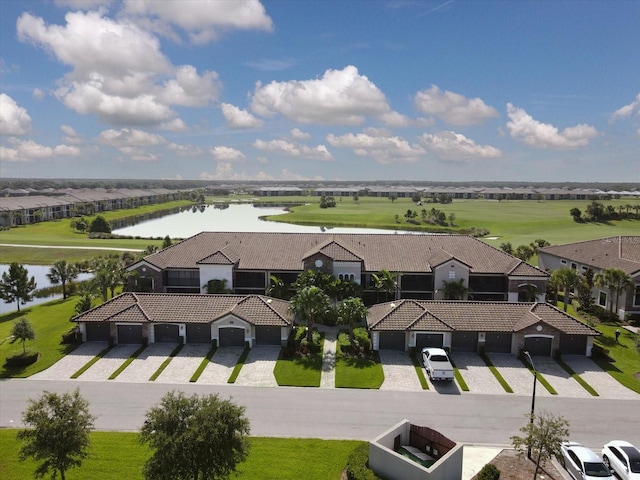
(257, 370)
(145, 365)
(399, 372)
(559, 379)
(183, 366)
(516, 374)
(71, 363)
(476, 373)
(103, 368)
(601, 381)
(219, 369)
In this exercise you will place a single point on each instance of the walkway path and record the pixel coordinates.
(328, 378)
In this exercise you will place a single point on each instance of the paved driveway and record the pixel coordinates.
(146, 364)
(183, 366)
(476, 374)
(399, 372)
(257, 370)
(601, 381)
(219, 369)
(516, 374)
(103, 368)
(71, 363)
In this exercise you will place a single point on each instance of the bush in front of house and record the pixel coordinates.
(357, 468)
(22, 359)
(488, 472)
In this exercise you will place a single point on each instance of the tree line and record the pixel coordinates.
(598, 212)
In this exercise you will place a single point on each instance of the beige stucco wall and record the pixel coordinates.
(441, 275)
(215, 272)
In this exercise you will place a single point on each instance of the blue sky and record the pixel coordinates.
(454, 90)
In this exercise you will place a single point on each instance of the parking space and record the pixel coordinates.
(146, 364)
(257, 370)
(476, 374)
(71, 363)
(601, 381)
(516, 374)
(559, 379)
(103, 368)
(219, 369)
(399, 372)
(183, 366)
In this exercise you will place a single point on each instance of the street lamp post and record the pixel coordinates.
(533, 396)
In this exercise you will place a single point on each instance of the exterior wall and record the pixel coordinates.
(215, 272)
(515, 283)
(538, 330)
(348, 268)
(393, 466)
(231, 321)
(310, 263)
(145, 271)
(441, 275)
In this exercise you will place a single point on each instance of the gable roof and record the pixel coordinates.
(189, 308)
(446, 316)
(621, 252)
(286, 252)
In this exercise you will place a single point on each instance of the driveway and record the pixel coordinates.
(516, 374)
(219, 369)
(146, 364)
(399, 372)
(257, 370)
(103, 368)
(183, 366)
(476, 374)
(601, 381)
(71, 363)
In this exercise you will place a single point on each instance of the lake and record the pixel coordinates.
(235, 218)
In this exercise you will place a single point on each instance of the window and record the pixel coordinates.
(563, 262)
(602, 299)
(452, 274)
(574, 266)
(636, 296)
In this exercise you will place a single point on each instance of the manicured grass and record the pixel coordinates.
(90, 363)
(203, 365)
(496, 373)
(49, 320)
(236, 370)
(127, 362)
(625, 356)
(365, 372)
(269, 458)
(299, 372)
(459, 378)
(415, 359)
(578, 379)
(164, 364)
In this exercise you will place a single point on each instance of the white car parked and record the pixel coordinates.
(582, 463)
(436, 363)
(623, 459)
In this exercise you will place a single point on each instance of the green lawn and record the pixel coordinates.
(352, 372)
(49, 320)
(269, 458)
(625, 366)
(299, 372)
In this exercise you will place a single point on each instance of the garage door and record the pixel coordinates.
(231, 337)
(198, 333)
(539, 346)
(497, 342)
(464, 342)
(166, 333)
(97, 332)
(429, 340)
(268, 335)
(573, 344)
(129, 333)
(391, 341)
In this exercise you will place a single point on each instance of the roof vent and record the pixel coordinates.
(393, 305)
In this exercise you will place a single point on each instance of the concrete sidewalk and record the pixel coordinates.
(328, 378)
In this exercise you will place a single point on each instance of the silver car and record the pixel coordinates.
(582, 463)
(623, 458)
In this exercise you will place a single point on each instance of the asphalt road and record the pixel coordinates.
(345, 413)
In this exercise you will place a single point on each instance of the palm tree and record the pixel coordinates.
(614, 280)
(217, 286)
(386, 282)
(86, 294)
(351, 311)
(568, 279)
(309, 305)
(277, 288)
(455, 290)
(62, 272)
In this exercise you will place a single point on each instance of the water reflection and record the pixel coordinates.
(226, 218)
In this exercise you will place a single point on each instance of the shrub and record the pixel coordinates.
(357, 464)
(72, 336)
(488, 472)
(22, 359)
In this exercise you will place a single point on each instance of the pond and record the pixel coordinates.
(39, 272)
(231, 218)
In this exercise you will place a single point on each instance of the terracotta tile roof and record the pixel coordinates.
(396, 253)
(612, 252)
(187, 308)
(445, 316)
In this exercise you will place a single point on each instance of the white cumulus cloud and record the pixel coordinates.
(627, 110)
(185, 150)
(238, 118)
(453, 108)
(290, 149)
(455, 146)
(126, 138)
(339, 97)
(299, 134)
(28, 150)
(526, 129)
(226, 154)
(14, 119)
(381, 146)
